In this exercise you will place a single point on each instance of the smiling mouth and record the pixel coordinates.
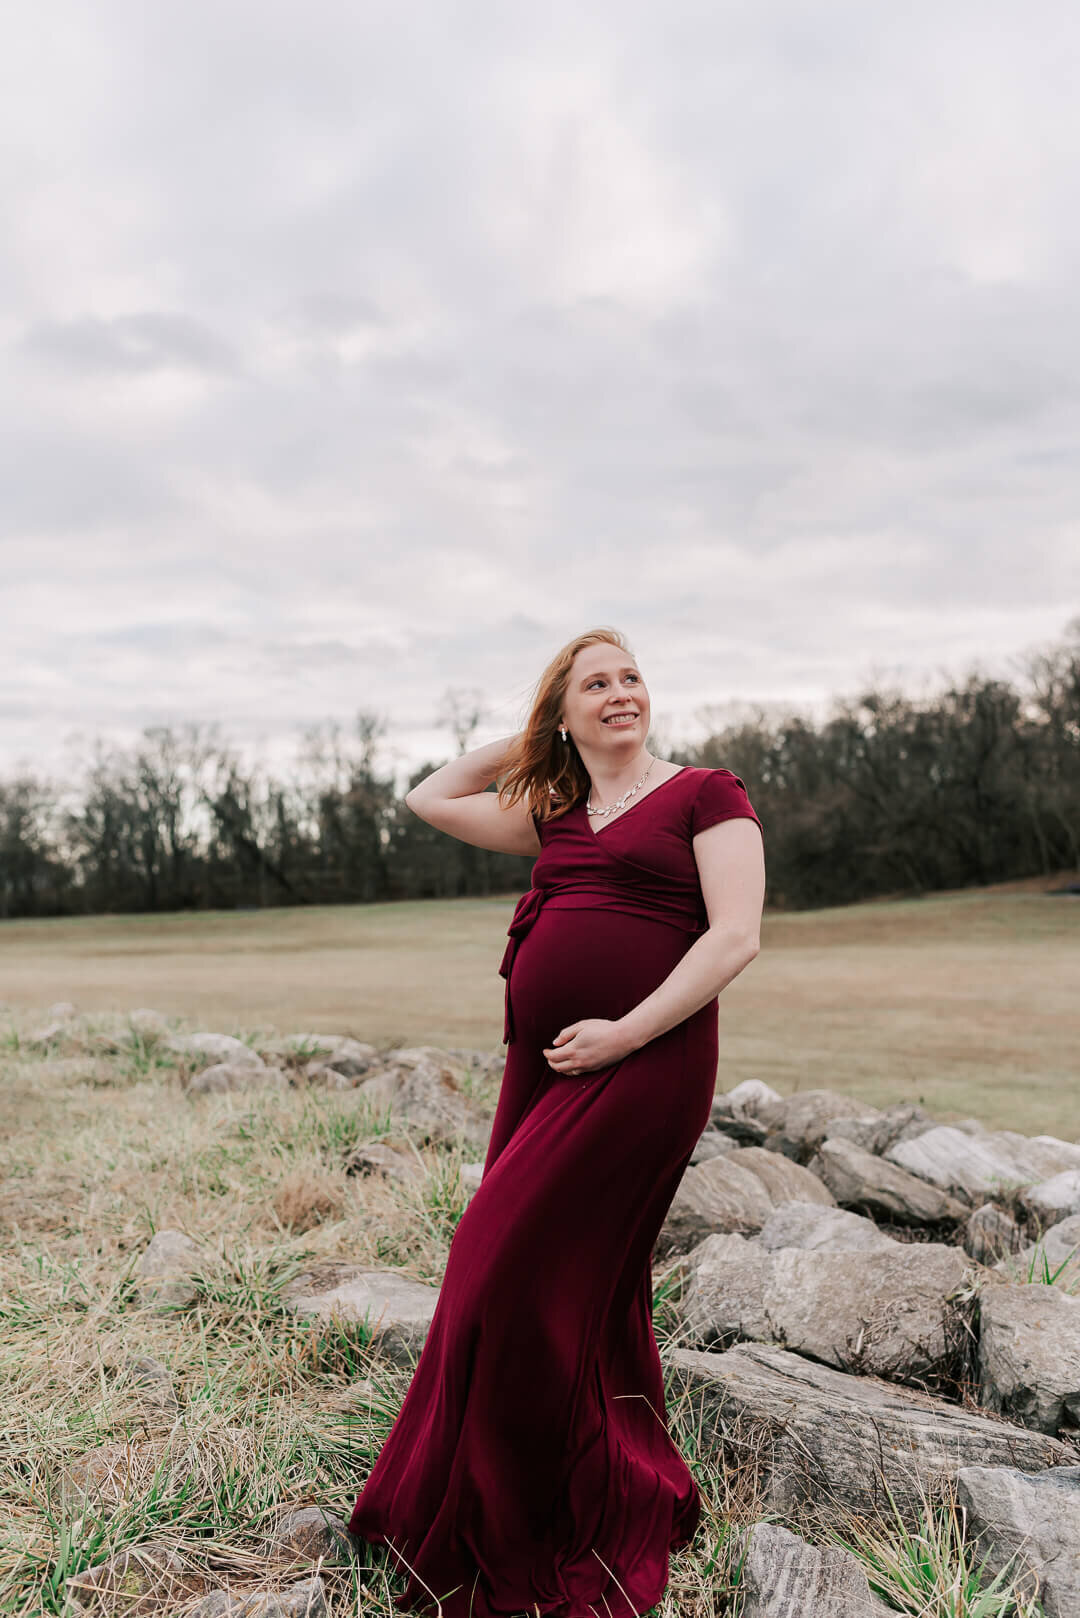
(617, 719)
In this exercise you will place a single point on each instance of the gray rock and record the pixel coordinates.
(49, 1034)
(1054, 1199)
(991, 1233)
(144, 1020)
(165, 1267)
(380, 1157)
(350, 1057)
(711, 1144)
(903, 1121)
(859, 1179)
(784, 1577)
(747, 1098)
(723, 1293)
(735, 1113)
(322, 1077)
(153, 1380)
(224, 1077)
(218, 1604)
(207, 1048)
(398, 1310)
(102, 1477)
(141, 1579)
(884, 1313)
(815, 1227)
(1057, 1251)
(824, 1439)
(798, 1124)
(980, 1165)
(1029, 1355)
(304, 1600)
(421, 1087)
(1010, 1513)
(735, 1192)
(310, 1533)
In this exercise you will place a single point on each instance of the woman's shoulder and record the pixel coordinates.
(717, 793)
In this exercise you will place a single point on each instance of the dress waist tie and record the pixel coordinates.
(525, 913)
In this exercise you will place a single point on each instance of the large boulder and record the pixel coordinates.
(398, 1310)
(982, 1164)
(886, 1313)
(735, 1192)
(1029, 1355)
(426, 1092)
(224, 1077)
(902, 1121)
(784, 1577)
(352, 1058)
(815, 1227)
(1035, 1519)
(859, 1179)
(827, 1440)
(1055, 1199)
(736, 1111)
(796, 1125)
(711, 1144)
(202, 1049)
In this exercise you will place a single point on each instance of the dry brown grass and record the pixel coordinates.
(964, 1001)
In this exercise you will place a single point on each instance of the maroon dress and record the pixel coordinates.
(530, 1468)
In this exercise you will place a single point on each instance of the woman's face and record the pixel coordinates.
(605, 682)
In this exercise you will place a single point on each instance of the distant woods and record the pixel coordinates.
(890, 794)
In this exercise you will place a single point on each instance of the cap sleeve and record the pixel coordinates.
(721, 796)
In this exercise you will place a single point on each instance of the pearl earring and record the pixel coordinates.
(562, 732)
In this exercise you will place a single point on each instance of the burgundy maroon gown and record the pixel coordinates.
(530, 1468)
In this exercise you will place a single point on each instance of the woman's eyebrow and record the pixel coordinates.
(602, 674)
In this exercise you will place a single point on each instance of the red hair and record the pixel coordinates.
(539, 766)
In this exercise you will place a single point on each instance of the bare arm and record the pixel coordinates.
(454, 799)
(731, 864)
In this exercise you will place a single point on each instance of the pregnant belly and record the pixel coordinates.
(574, 964)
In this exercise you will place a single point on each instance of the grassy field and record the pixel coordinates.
(966, 1001)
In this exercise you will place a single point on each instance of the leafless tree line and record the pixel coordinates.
(891, 794)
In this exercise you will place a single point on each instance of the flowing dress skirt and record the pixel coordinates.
(530, 1468)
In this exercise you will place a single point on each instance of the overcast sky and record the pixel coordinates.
(354, 351)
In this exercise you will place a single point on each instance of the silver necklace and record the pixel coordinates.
(619, 802)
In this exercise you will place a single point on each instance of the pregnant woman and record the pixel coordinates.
(530, 1468)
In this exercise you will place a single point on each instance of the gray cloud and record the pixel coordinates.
(153, 340)
(353, 361)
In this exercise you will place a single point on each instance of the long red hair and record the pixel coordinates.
(539, 766)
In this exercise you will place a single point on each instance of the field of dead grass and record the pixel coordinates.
(965, 1001)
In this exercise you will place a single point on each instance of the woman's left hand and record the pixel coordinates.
(583, 1047)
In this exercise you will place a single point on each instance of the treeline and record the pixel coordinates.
(979, 784)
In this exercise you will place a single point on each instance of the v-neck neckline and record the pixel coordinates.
(599, 835)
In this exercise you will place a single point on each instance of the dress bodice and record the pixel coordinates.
(642, 864)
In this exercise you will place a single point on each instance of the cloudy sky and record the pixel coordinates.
(354, 351)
